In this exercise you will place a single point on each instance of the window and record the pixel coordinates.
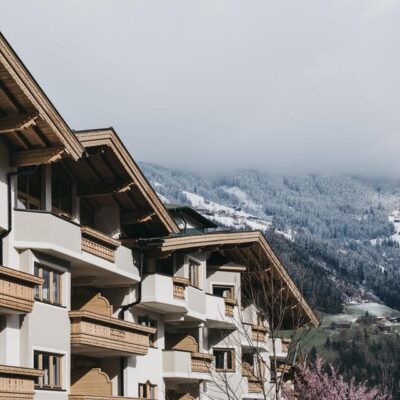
(224, 360)
(61, 191)
(87, 212)
(50, 290)
(29, 189)
(194, 273)
(51, 365)
(152, 323)
(223, 291)
(147, 390)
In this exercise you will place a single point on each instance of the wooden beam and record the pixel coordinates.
(136, 217)
(24, 158)
(102, 189)
(17, 122)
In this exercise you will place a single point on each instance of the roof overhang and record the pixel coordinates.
(29, 122)
(130, 177)
(242, 247)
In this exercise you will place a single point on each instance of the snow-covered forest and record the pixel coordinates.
(339, 230)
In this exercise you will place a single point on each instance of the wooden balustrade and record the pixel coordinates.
(258, 333)
(93, 330)
(18, 383)
(201, 362)
(255, 385)
(99, 244)
(230, 304)
(17, 290)
(179, 286)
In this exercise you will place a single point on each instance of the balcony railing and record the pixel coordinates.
(201, 362)
(94, 332)
(18, 383)
(255, 385)
(17, 290)
(179, 286)
(99, 244)
(258, 333)
(230, 304)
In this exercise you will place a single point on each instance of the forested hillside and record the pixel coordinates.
(332, 232)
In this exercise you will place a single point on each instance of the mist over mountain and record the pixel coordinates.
(338, 235)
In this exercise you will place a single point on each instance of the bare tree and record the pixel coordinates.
(268, 313)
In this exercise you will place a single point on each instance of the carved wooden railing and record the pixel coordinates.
(91, 329)
(18, 383)
(99, 244)
(258, 333)
(201, 362)
(230, 304)
(17, 290)
(255, 385)
(179, 285)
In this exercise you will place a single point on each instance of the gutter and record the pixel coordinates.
(10, 176)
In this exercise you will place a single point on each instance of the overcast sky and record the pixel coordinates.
(215, 85)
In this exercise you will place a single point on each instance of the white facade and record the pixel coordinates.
(82, 300)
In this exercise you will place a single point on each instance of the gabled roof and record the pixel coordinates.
(29, 123)
(178, 212)
(245, 248)
(109, 162)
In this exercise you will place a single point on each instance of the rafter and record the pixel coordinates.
(136, 217)
(17, 122)
(103, 189)
(24, 158)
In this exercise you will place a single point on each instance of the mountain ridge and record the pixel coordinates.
(339, 226)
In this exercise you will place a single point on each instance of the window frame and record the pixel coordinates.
(38, 290)
(147, 390)
(194, 273)
(51, 376)
(231, 289)
(65, 175)
(232, 351)
(25, 196)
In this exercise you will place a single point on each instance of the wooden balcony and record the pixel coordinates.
(17, 291)
(99, 244)
(94, 330)
(179, 286)
(258, 333)
(230, 304)
(255, 385)
(100, 335)
(92, 384)
(18, 383)
(201, 362)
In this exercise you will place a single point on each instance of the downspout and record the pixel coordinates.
(126, 307)
(10, 176)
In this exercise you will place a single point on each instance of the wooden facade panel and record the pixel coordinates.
(17, 290)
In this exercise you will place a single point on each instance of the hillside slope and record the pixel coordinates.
(341, 229)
